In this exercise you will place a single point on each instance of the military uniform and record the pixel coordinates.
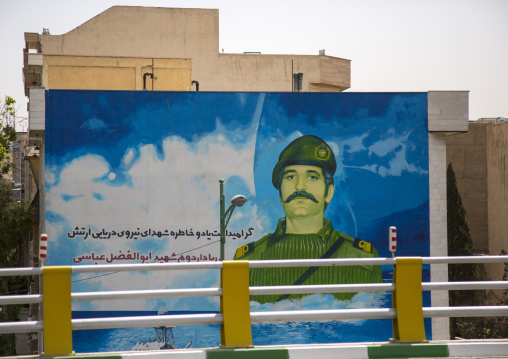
(308, 246)
(326, 243)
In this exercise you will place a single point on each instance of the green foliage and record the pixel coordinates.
(15, 225)
(482, 328)
(486, 328)
(460, 243)
(10, 313)
(7, 133)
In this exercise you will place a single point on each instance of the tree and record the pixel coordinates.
(460, 243)
(7, 133)
(15, 225)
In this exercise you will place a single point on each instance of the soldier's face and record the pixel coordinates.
(303, 190)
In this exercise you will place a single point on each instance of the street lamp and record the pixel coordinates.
(225, 216)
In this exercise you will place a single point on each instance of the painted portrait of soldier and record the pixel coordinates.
(304, 177)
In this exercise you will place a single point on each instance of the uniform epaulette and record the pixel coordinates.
(248, 248)
(245, 249)
(363, 245)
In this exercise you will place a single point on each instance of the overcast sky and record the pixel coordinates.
(394, 45)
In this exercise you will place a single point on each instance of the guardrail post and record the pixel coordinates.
(407, 299)
(56, 299)
(234, 305)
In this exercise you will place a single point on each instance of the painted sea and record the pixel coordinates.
(206, 336)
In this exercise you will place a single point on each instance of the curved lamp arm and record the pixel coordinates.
(225, 216)
(236, 201)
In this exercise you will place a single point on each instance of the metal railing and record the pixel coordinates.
(235, 316)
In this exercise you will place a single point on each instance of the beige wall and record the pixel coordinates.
(145, 32)
(480, 160)
(497, 162)
(234, 72)
(174, 34)
(467, 153)
(257, 72)
(114, 73)
(135, 31)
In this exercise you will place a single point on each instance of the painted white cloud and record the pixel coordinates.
(129, 156)
(398, 164)
(389, 145)
(178, 190)
(94, 124)
(355, 144)
(393, 146)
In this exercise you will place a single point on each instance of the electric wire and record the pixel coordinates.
(179, 254)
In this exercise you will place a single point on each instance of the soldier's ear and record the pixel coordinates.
(330, 193)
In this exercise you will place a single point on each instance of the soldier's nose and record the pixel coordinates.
(300, 185)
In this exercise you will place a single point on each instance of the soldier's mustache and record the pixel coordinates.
(301, 194)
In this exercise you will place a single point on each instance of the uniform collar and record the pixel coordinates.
(324, 232)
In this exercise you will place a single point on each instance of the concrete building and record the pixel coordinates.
(163, 49)
(117, 48)
(22, 175)
(491, 120)
(480, 160)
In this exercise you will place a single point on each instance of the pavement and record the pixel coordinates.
(470, 349)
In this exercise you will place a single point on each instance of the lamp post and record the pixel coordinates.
(225, 216)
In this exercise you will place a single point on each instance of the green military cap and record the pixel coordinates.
(306, 150)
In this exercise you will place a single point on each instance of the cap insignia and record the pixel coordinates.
(322, 153)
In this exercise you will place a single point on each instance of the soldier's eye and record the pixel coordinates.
(290, 177)
(313, 178)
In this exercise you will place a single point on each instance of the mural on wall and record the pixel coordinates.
(132, 177)
(304, 177)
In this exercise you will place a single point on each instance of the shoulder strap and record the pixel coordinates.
(311, 270)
